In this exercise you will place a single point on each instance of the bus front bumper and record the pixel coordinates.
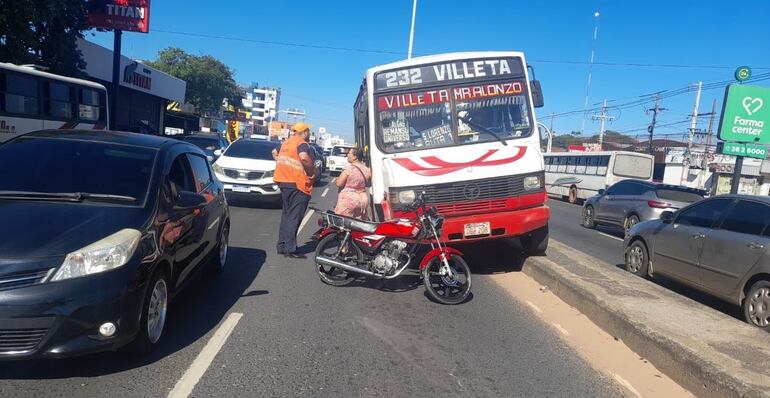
(501, 224)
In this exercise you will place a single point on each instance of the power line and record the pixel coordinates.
(391, 52)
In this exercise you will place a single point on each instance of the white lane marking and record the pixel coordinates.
(561, 329)
(609, 236)
(323, 194)
(184, 387)
(334, 179)
(626, 384)
(214, 223)
(305, 220)
(534, 307)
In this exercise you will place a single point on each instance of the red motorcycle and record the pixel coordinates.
(350, 247)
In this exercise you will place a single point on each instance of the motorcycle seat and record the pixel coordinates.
(355, 224)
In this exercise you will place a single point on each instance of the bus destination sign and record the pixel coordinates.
(474, 69)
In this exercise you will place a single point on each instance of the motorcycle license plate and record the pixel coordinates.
(477, 229)
(240, 188)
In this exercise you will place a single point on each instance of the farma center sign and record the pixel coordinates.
(746, 115)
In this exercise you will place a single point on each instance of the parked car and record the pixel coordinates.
(629, 202)
(212, 145)
(718, 245)
(319, 158)
(246, 170)
(101, 230)
(337, 160)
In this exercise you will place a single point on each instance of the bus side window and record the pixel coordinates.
(91, 104)
(591, 165)
(58, 100)
(562, 167)
(602, 166)
(571, 161)
(581, 165)
(20, 94)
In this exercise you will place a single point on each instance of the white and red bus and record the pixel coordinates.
(462, 128)
(34, 100)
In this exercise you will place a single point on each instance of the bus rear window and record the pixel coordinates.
(632, 166)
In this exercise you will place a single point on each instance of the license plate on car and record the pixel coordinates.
(240, 188)
(477, 229)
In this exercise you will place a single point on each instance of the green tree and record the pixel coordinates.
(43, 32)
(209, 80)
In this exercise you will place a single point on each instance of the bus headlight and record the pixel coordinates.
(532, 182)
(406, 197)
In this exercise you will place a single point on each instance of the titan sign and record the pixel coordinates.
(746, 115)
(129, 15)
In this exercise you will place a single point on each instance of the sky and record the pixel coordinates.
(705, 39)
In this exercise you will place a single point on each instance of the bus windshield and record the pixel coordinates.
(453, 116)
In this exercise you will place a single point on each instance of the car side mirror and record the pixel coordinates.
(189, 201)
(602, 192)
(537, 94)
(667, 217)
(218, 153)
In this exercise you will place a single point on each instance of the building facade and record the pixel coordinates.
(144, 91)
(264, 105)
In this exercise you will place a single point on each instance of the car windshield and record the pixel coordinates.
(678, 195)
(51, 165)
(340, 151)
(205, 143)
(453, 116)
(260, 150)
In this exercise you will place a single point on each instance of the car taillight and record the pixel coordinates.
(658, 204)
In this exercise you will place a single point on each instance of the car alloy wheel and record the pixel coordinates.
(156, 314)
(635, 258)
(630, 222)
(588, 217)
(759, 307)
(223, 245)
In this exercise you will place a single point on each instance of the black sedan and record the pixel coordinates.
(100, 230)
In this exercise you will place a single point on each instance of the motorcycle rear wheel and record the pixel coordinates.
(328, 247)
(447, 290)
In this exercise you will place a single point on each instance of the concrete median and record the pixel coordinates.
(706, 351)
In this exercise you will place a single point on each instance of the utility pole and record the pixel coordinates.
(651, 128)
(590, 69)
(550, 135)
(602, 118)
(411, 30)
(705, 162)
(687, 159)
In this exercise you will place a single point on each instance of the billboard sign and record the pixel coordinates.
(129, 15)
(746, 114)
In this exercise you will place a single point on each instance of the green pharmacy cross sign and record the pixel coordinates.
(746, 114)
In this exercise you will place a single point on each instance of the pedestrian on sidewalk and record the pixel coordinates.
(294, 174)
(353, 199)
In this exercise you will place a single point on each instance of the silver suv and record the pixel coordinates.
(630, 201)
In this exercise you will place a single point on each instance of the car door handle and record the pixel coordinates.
(755, 245)
(698, 236)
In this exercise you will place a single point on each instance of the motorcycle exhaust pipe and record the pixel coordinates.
(338, 264)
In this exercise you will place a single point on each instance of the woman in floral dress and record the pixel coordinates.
(353, 199)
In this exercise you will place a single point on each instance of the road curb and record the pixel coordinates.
(688, 365)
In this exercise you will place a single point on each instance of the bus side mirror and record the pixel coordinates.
(537, 93)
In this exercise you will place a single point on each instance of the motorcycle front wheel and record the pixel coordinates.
(329, 246)
(447, 289)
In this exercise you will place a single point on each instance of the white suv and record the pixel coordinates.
(246, 170)
(338, 159)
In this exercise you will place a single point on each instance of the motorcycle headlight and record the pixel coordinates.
(218, 169)
(531, 182)
(104, 255)
(406, 197)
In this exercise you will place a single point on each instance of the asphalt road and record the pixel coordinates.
(298, 336)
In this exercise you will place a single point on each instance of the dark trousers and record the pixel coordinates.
(295, 204)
